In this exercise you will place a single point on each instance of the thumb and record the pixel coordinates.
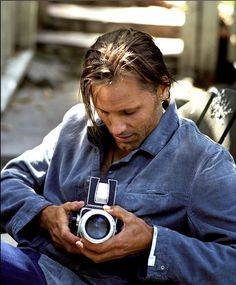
(118, 212)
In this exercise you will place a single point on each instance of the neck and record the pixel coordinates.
(112, 154)
(118, 153)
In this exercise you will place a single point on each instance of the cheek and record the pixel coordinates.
(139, 126)
(147, 123)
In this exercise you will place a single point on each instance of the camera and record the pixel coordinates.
(92, 222)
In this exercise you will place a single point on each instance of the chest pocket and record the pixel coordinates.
(74, 190)
(142, 200)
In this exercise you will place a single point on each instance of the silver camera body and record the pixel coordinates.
(92, 222)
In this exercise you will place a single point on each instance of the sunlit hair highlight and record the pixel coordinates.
(119, 53)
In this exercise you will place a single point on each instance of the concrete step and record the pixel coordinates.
(158, 20)
(68, 29)
(168, 46)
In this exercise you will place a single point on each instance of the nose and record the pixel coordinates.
(117, 126)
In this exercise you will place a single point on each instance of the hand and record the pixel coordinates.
(54, 219)
(134, 237)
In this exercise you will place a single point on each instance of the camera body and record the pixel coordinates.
(92, 222)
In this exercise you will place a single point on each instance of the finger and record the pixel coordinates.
(73, 206)
(95, 255)
(60, 228)
(66, 239)
(101, 248)
(118, 212)
(68, 236)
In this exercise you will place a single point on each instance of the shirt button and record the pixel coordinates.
(163, 267)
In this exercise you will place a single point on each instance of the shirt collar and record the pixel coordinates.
(163, 132)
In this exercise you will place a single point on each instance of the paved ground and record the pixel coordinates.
(50, 88)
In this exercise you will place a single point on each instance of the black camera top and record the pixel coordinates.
(102, 191)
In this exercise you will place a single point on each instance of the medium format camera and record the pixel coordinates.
(92, 222)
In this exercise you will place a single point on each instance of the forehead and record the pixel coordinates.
(124, 89)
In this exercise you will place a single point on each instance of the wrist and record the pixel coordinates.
(44, 215)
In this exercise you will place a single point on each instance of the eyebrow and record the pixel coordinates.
(122, 110)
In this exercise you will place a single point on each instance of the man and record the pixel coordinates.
(176, 193)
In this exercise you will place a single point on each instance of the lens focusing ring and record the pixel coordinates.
(94, 212)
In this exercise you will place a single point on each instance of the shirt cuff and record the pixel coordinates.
(152, 257)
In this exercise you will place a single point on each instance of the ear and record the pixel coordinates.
(163, 93)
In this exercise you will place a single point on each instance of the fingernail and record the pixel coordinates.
(107, 208)
(79, 243)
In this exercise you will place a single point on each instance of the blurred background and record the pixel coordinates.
(43, 44)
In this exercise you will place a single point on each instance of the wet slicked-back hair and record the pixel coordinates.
(119, 53)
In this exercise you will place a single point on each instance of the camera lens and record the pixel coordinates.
(97, 226)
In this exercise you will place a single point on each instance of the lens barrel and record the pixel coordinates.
(96, 225)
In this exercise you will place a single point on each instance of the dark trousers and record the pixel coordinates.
(20, 266)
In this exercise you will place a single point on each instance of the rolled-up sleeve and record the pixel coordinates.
(22, 181)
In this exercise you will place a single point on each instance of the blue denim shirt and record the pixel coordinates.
(178, 180)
